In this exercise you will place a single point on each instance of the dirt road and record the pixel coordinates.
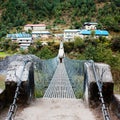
(56, 109)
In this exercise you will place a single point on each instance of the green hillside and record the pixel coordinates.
(64, 13)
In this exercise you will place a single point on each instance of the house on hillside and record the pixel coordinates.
(40, 34)
(85, 33)
(37, 30)
(90, 25)
(69, 34)
(35, 27)
(24, 39)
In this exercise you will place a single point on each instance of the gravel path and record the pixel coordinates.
(56, 109)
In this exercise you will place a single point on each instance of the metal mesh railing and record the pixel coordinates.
(44, 70)
(75, 70)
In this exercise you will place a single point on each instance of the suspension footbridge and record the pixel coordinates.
(61, 83)
(60, 86)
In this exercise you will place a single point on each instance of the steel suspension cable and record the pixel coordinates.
(104, 108)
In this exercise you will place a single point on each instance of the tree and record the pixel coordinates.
(92, 33)
(13, 46)
(117, 2)
(115, 44)
(99, 54)
(5, 44)
(15, 13)
(38, 45)
(79, 44)
(32, 49)
(69, 46)
(77, 25)
(19, 29)
(45, 53)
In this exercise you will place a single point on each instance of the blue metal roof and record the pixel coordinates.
(97, 32)
(19, 35)
(85, 32)
(101, 32)
(91, 23)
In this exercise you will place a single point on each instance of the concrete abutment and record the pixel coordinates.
(91, 93)
(18, 72)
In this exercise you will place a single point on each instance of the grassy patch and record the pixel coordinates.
(3, 54)
(39, 93)
(2, 82)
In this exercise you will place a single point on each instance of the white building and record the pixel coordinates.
(24, 42)
(42, 34)
(70, 34)
(35, 27)
(90, 25)
(23, 39)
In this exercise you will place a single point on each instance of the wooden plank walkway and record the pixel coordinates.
(60, 86)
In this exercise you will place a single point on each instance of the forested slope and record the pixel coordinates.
(72, 13)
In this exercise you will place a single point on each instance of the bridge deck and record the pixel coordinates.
(60, 86)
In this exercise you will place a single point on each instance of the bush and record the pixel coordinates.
(14, 46)
(68, 46)
(59, 21)
(79, 44)
(99, 53)
(45, 53)
(32, 49)
(77, 25)
(115, 44)
(114, 62)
